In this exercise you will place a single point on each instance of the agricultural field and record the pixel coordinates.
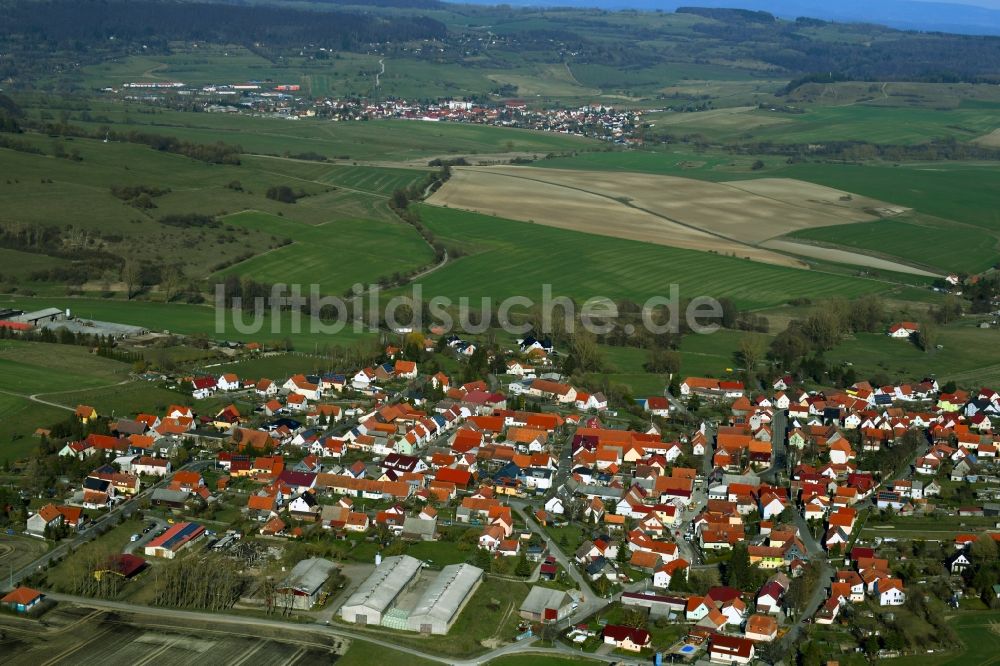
(125, 399)
(19, 418)
(279, 366)
(730, 218)
(379, 140)
(889, 113)
(34, 367)
(187, 319)
(941, 246)
(507, 258)
(334, 256)
(939, 194)
(75, 635)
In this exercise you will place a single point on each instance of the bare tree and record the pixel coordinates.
(130, 276)
(751, 350)
(173, 278)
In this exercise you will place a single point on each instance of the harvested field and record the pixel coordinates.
(991, 140)
(728, 218)
(564, 207)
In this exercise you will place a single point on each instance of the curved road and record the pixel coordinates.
(34, 397)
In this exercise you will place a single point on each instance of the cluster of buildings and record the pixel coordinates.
(56, 319)
(398, 595)
(319, 449)
(284, 100)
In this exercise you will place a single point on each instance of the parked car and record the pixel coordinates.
(135, 537)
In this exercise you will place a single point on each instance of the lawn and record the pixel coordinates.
(60, 576)
(938, 246)
(569, 537)
(709, 355)
(663, 636)
(507, 258)
(441, 553)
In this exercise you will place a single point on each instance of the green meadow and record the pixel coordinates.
(29, 368)
(19, 418)
(966, 356)
(943, 246)
(335, 255)
(941, 194)
(857, 122)
(978, 632)
(395, 140)
(188, 319)
(57, 372)
(507, 258)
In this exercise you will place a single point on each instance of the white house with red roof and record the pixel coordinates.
(903, 329)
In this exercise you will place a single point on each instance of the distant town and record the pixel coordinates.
(620, 126)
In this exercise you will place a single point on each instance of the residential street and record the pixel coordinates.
(92, 531)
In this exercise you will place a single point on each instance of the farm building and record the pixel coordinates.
(443, 600)
(300, 590)
(39, 317)
(173, 499)
(174, 540)
(106, 329)
(124, 565)
(22, 599)
(379, 592)
(546, 605)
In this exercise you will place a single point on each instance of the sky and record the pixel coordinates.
(991, 4)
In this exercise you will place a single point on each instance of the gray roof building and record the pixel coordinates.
(302, 586)
(443, 600)
(419, 528)
(167, 497)
(378, 593)
(546, 605)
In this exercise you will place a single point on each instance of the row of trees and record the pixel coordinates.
(209, 582)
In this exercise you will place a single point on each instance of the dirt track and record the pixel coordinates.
(845, 257)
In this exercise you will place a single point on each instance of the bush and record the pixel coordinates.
(282, 193)
(190, 220)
